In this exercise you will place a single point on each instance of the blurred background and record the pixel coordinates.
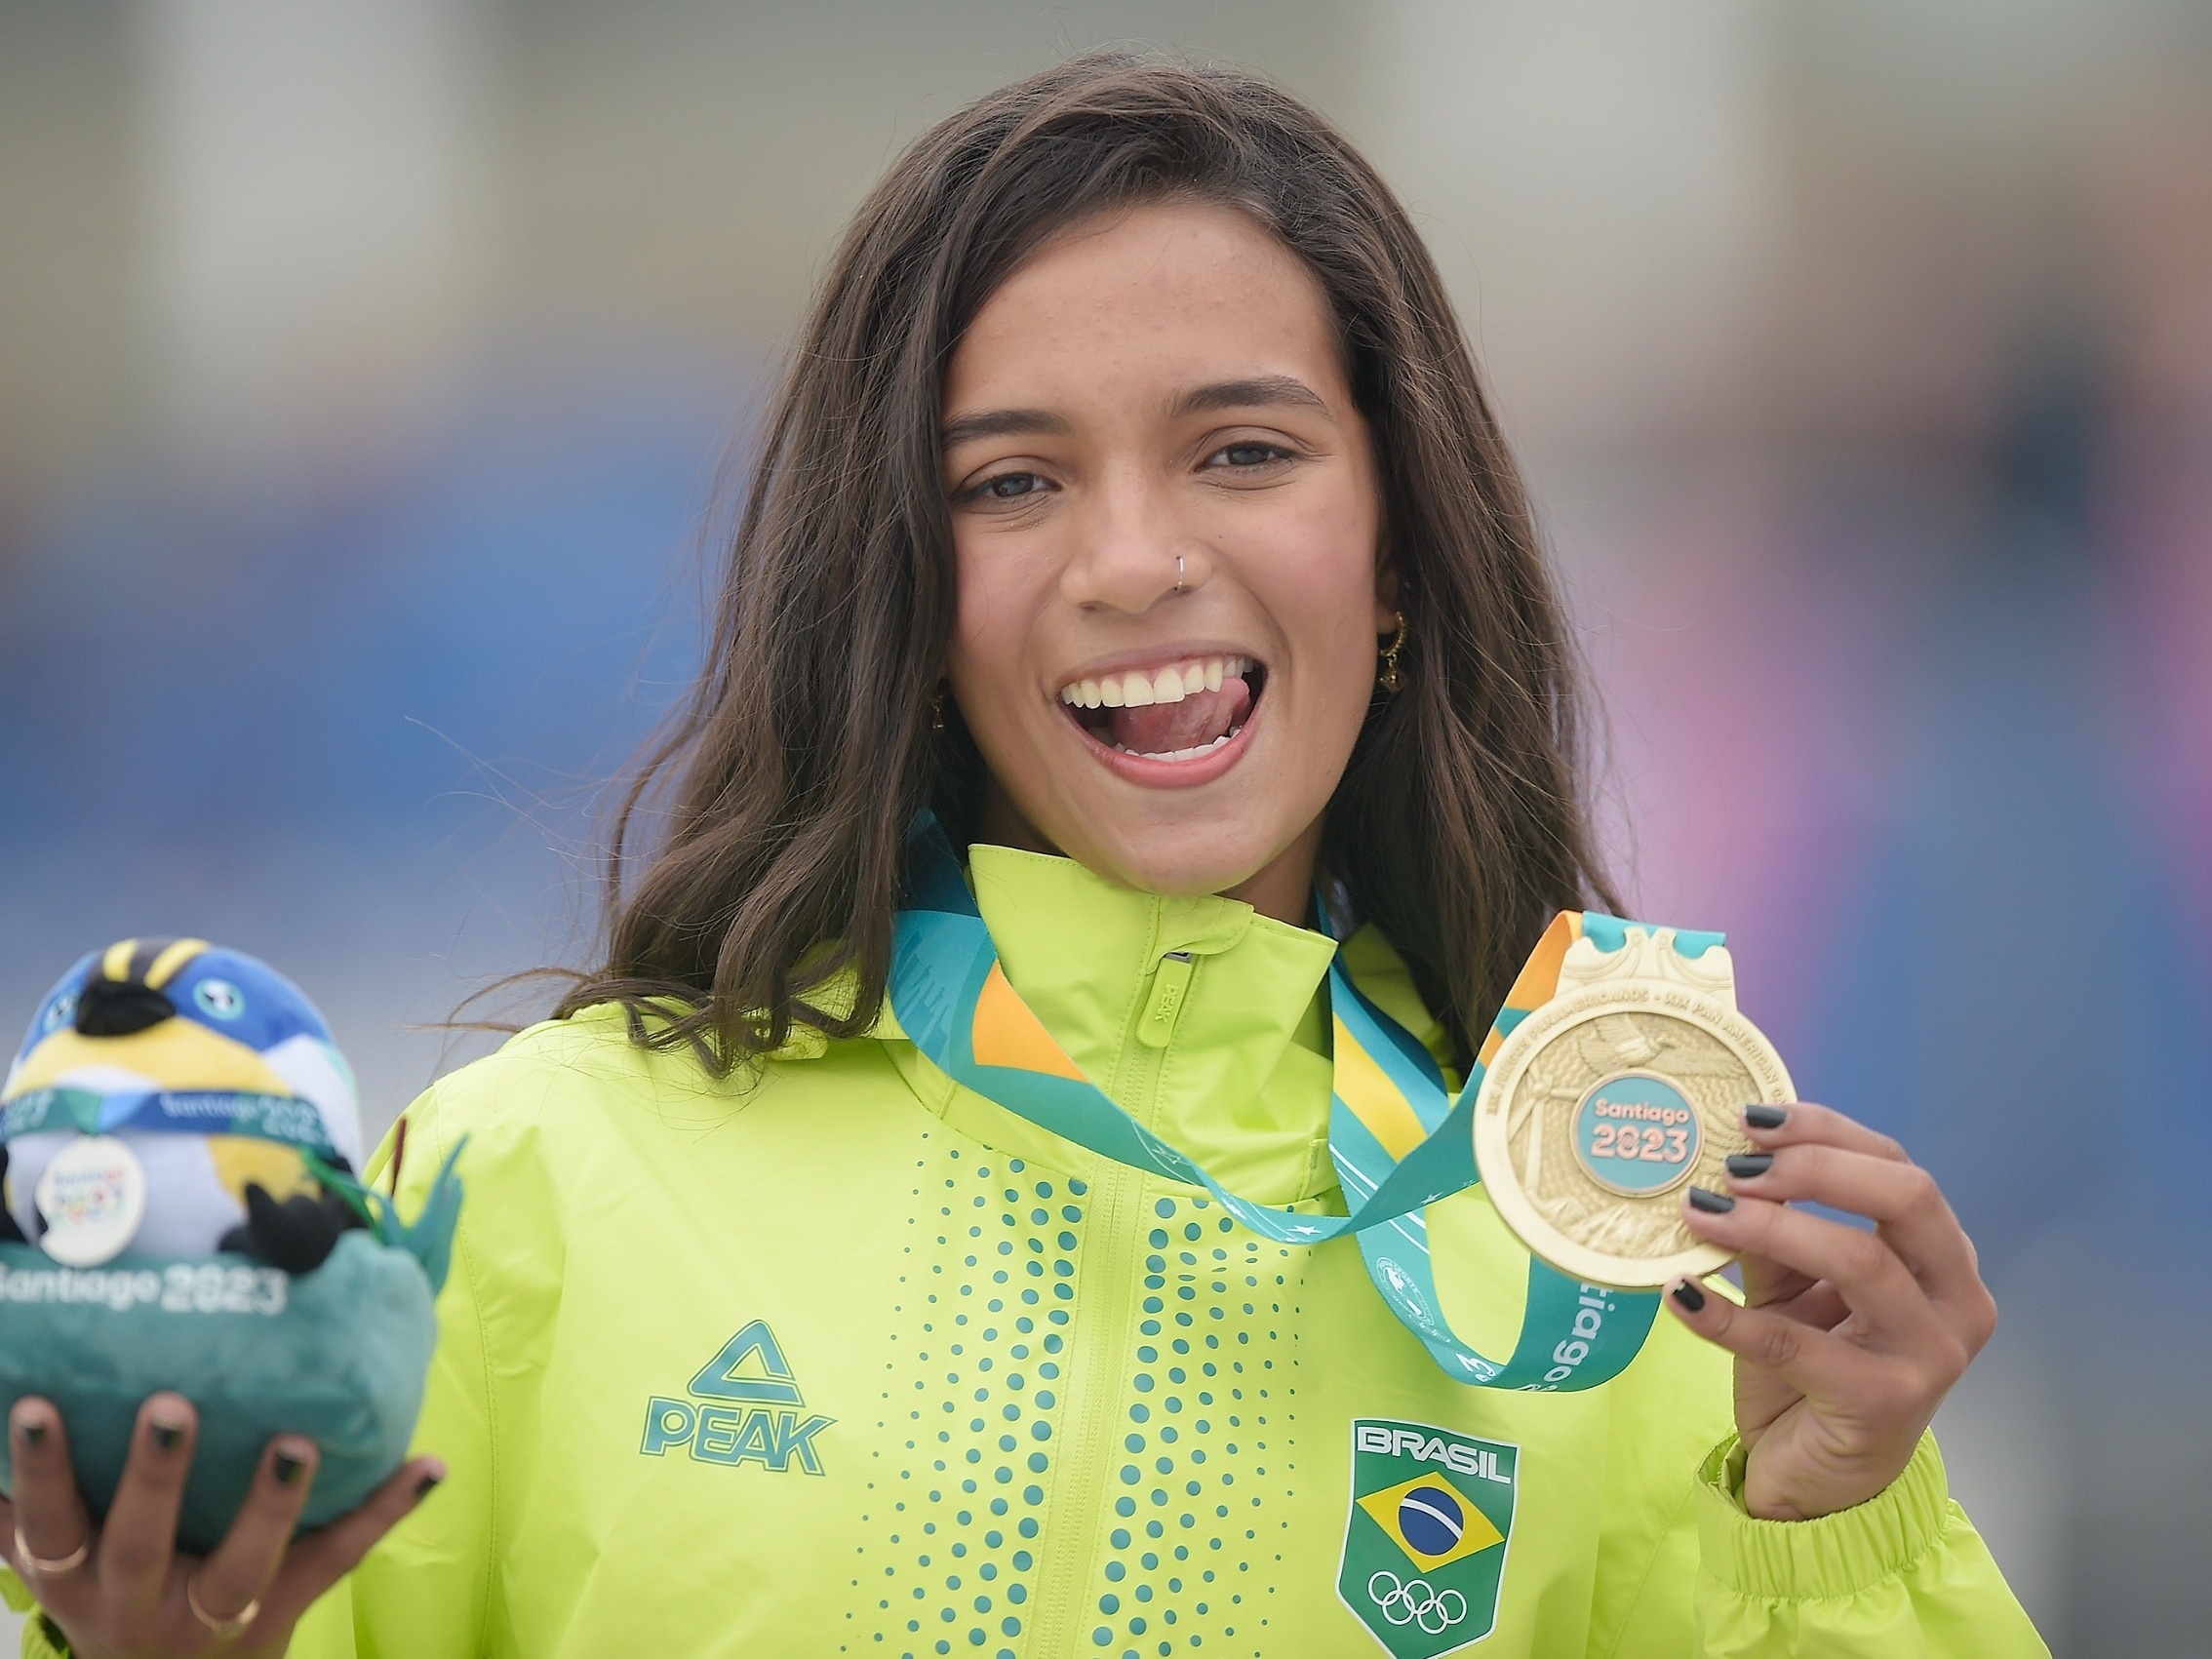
(371, 372)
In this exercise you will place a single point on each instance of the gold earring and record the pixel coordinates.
(1391, 680)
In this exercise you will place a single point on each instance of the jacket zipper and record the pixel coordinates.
(1098, 1338)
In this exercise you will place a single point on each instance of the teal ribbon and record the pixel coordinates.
(286, 1119)
(1573, 1336)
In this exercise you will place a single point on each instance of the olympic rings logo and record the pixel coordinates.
(1413, 1602)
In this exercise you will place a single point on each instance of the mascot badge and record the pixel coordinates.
(179, 1210)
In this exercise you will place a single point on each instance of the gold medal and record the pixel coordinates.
(1600, 1106)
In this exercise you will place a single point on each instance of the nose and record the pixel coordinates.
(1130, 550)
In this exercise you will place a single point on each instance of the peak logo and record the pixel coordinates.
(744, 1407)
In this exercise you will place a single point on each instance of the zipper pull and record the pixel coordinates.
(1168, 990)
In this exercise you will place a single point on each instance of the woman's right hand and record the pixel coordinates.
(123, 1591)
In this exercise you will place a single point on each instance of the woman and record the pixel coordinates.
(1131, 503)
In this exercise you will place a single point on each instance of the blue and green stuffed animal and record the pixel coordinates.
(180, 1209)
(221, 1079)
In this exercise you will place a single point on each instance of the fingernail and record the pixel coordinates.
(286, 1467)
(32, 1433)
(1766, 1116)
(1750, 1166)
(1688, 1295)
(426, 1485)
(166, 1434)
(1712, 1204)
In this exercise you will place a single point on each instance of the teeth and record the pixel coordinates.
(1136, 689)
(1191, 754)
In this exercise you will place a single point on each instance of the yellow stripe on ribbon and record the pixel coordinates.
(1376, 1101)
(1006, 1033)
(116, 963)
(1539, 979)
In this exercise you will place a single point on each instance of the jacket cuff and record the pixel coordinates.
(1835, 1556)
(41, 1640)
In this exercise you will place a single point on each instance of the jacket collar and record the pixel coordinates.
(1238, 1078)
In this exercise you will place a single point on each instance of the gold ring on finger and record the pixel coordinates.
(223, 1630)
(38, 1567)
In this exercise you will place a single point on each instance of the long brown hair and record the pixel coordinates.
(782, 791)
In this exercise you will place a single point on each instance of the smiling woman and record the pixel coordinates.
(932, 1226)
(1165, 535)
(1121, 333)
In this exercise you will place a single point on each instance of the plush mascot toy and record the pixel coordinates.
(209, 1083)
(177, 1141)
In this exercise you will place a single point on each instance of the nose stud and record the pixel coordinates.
(1178, 573)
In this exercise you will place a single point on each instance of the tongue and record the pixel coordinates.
(1161, 728)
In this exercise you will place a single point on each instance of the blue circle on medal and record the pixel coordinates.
(1636, 1134)
(1431, 1521)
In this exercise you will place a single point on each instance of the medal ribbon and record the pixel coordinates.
(1398, 1138)
(282, 1118)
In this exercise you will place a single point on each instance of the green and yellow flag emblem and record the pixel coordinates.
(1425, 1535)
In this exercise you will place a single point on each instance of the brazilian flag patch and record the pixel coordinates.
(1424, 1538)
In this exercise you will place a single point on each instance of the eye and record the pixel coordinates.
(63, 1010)
(219, 999)
(1248, 455)
(1007, 487)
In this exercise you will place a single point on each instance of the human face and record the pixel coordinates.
(1158, 394)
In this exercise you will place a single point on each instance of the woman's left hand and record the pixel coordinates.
(1847, 1340)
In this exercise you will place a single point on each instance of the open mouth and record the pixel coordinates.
(1178, 712)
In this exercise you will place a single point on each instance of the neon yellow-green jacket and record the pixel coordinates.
(848, 1359)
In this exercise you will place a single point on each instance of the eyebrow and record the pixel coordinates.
(1259, 391)
(1002, 424)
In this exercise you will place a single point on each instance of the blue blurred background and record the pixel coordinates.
(372, 374)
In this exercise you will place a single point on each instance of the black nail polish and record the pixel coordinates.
(1689, 1296)
(32, 1433)
(1712, 1204)
(426, 1485)
(286, 1467)
(1766, 1116)
(1750, 1166)
(166, 1436)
